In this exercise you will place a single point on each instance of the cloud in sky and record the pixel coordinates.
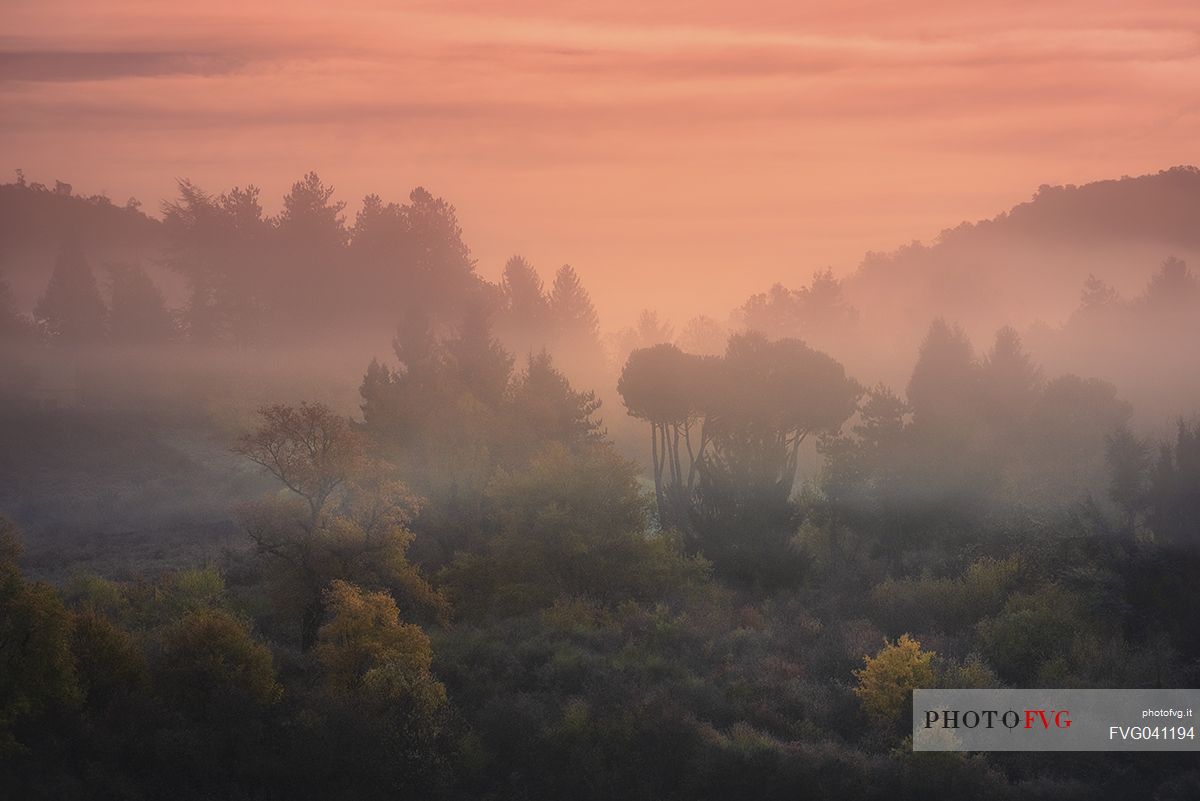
(748, 141)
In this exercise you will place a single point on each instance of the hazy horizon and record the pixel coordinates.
(747, 146)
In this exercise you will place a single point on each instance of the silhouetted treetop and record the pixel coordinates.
(71, 311)
(571, 306)
(818, 312)
(661, 384)
(944, 378)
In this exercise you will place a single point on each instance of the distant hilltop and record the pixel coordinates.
(1163, 207)
(1029, 264)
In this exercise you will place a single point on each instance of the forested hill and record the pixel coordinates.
(1030, 263)
(1161, 208)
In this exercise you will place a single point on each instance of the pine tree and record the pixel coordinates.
(139, 312)
(71, 310)
(571, 307)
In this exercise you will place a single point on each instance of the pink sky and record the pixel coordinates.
(691, 153)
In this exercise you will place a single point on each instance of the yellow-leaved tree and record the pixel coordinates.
(886, 681)
(366, 645)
